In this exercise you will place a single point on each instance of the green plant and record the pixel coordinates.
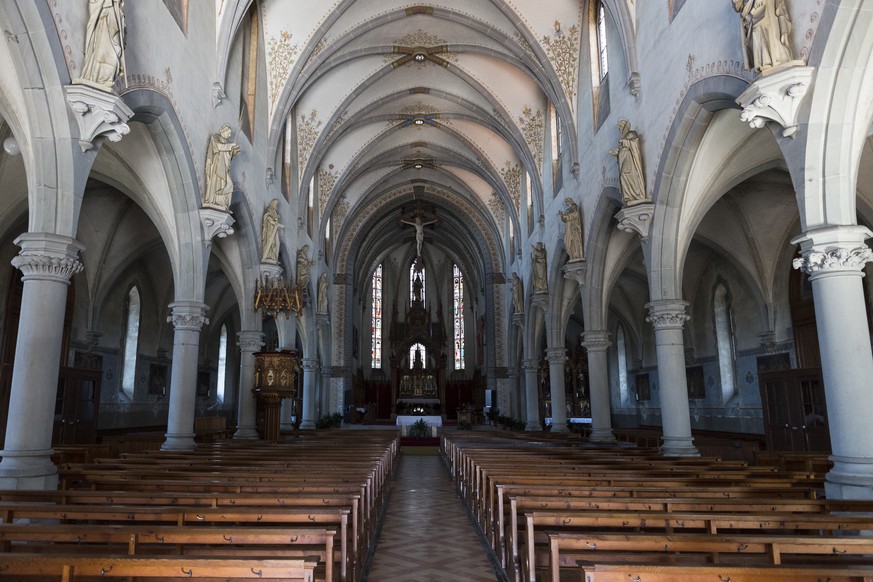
(419, 429)
(465, 426)
(330, 421)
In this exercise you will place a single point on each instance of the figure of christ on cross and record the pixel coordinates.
(419, 225)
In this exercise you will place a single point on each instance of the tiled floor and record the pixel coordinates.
(426, 535)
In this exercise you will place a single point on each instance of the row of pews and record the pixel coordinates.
(552, 510)
(300, 510)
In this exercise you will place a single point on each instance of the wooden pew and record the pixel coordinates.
(70, 567)
(606, 572)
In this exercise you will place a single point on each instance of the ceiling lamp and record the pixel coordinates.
(418, 165)
(419, 57)
(275, 296)
(418, 121)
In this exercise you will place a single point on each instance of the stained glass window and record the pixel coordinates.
(376, 329)
(222, 364)
(131, 339)
(458, 315)
(601, 41)
(422, 353)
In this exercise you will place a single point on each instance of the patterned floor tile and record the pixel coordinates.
(426, 535)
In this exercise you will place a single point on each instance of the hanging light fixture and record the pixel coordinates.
(275, 296)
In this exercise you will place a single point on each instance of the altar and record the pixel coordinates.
(409, 419)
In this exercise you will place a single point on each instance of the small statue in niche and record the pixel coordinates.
(322, 294)
(104, 44)
(303, 267)
(572, 219)
(766, 26)
(540, 277)
(219, 153)
(517, 294)
(630, 165)
(270, 233)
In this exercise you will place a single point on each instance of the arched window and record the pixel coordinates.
(222, 364)
(376, 329)
(555, 127)
(529, 191)
(131, 339)
(417, 351)
(412, 284)
(458, 315)
(724, 337)
(599, 59)
(601, 41)
(621, 348)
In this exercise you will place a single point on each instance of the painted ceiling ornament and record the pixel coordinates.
(766, 27)
(562, 49)
(511, 174)
(281, 56)
(630, 165)
(218, 184)
(105, 37)
(308, 127)
(532, 128)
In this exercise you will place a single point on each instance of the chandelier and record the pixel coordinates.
(275, 296)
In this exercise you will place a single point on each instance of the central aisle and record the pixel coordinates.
(426, 535)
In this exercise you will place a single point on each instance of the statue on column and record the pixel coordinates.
(219, 153)
(270, 233)
(303, 267)
(630, 165)
(322, 294)
(540, 276)
(572, 219)
(517, 294)
(766, 26)
(104, 44)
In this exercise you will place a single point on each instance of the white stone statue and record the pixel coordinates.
(517, 294)
(303, 267)
(219, 153)
(766, 26)
(630, 165)
(540, 276)
(572, 219)
(270, 233)
(104, 44)
(322, 294)
(419, 225)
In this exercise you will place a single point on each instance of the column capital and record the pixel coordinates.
(556, 355)
(309, 364)
(250, 341)
(667, 313)
(540, 300)
(48, 257)
(833, 250)
(188, 315)
(529, 364)
(596, 341)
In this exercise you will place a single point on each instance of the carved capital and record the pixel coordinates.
(270, 177)
(634, 84)
(518, 319)
(99, 114)
(322, 320)
(249, 341)
(47, 257)
(576, 270)
(309, 364)
(776, 96)
(556, 355)
(596, 341)
(667, 314)
(188, 315)
(342, 279)
(217, 94)
(636, 218)
(838, 259)
(540, 300)
(216, 223)
(530, 364)
(270, 271)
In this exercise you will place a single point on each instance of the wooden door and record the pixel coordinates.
(795, 410)
(76, 407)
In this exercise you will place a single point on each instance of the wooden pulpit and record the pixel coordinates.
(277, 377)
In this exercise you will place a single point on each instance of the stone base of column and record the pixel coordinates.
(679, 447)
(246, 433)
(560, 428)
(307, 424)
(850, 478)
(601, 435)
(179, 442)
(28, 470)
(532, 426)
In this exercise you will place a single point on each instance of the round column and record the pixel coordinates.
(668, 317)
(188, 318)
(48, 262)
(556, 358)
(597, 343)
(310, 377)
(531, 396)
(249, 342)
(833, 258)
(515, 410)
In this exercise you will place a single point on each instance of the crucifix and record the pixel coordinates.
(419, 222)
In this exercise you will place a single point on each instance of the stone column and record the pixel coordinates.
(556, 358)
(597, 343)
(667, 317)
(324, 392)
(834, 258)
(188, 318)
(48, 262)
(515, 410)
(249, 342)
(310, 376)
(531, 399)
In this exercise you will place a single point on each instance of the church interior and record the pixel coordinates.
(282, 255)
